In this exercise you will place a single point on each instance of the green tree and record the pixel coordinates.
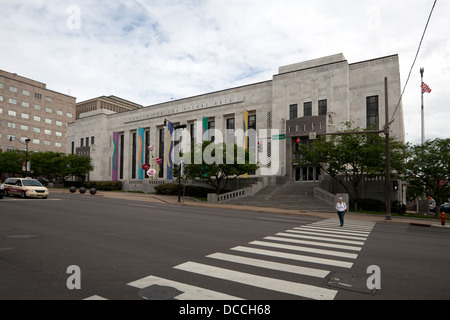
(218, 171)
(352, 157)
(76, 166)
(47, 164)
(428, 169)
(11, 162)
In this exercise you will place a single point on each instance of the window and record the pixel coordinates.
(323, 108)
(24, 127)
(58, 144)
(59, 123)
(36, 118)
(161, 152)
(307, 109)
(25, 116)
(82, 142)
(49, 99)
(252, 138)
(12, 101)
(372, 112)
(69, 115)
(12, 113)
(49, 132)
(48, 110)
(59, 112)
(37, 130)
(1, 110)
(1, 85)
(133, 155)
(230, 130)
(38, 96)
(48, 121)
(47, 143)
(25, 104)
(93, 140)
(1, 98)
(26, 92)
(12, 89)
(293, 111)
(58, 134)
(211, 130)
(36, 141)
(37, 107)
(11, 125)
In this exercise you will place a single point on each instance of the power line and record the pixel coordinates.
(414, 62)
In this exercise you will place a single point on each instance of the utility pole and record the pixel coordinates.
(422, 71)
(388, 154)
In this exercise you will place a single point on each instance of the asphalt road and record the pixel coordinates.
(130, 250)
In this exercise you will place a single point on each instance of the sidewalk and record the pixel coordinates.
(187, 201)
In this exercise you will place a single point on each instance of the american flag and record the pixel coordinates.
(425, 88)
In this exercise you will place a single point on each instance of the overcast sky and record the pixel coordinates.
(150, 51)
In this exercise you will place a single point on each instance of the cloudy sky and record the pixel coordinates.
(151, 51)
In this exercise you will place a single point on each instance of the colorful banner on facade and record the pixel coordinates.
(141, 133)
(245, 142)
(115, 158)
(205, 129)
(169, 163)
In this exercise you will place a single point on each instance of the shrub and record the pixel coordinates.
(190, 191)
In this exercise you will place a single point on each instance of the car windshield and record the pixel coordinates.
(31, 183)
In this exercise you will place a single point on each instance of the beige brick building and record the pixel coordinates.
(111, 103)
(28, 110)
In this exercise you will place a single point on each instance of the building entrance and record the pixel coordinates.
(307, 174)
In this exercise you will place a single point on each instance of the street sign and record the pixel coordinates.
(312, 135)
(279, 137)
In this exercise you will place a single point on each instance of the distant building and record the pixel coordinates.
(111, 103)
(28, 110)
(302, 101)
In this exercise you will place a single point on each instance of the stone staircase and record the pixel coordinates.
(296, 196)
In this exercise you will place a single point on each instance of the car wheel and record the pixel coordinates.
(1, 196)
(23, 195)
(6, 193)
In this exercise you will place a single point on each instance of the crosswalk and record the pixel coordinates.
(310, 252)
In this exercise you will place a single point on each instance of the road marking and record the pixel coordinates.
(298, 289)
(6, 249)
(189, 292)
(271, 265)
(305, 249)
(360, 243)
(314, 243)
(296, 257)
(330, 230)
(324, 234)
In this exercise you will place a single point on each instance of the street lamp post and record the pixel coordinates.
(26, 154)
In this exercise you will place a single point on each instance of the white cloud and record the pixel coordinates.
(150, 51)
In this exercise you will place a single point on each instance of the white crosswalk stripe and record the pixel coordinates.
(323, 246)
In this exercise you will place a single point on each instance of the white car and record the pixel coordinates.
(2, 191)
(25, 188)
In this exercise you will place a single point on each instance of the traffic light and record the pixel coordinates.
(260, 146)
(395, 185)
(297, 144)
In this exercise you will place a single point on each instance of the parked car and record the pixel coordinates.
(445, 207)
(25, 187)
(2, 191)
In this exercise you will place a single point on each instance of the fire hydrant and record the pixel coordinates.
(443, 217)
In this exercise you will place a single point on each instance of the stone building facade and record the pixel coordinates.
(302, 101)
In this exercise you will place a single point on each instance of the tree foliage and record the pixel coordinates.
(50, 165)
(428, 169)
(219, 170)
(352, 157)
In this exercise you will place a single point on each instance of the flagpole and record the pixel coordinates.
(422, 70)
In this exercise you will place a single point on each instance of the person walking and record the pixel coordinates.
(341, 208)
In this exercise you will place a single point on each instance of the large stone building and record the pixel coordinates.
(303, 100)
(28, 110)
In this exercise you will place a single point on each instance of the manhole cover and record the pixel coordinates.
(156, 292)
(22, 236)
(351, 282)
